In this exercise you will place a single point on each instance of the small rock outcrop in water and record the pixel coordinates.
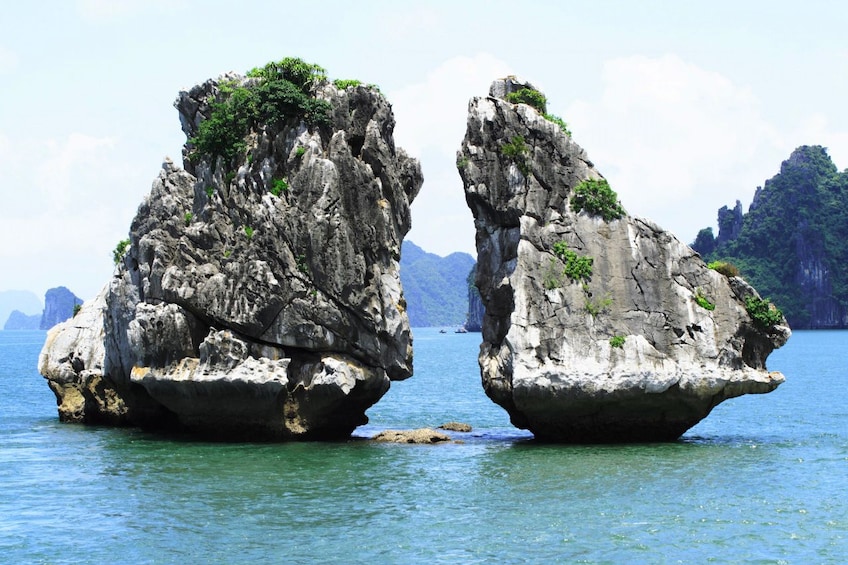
(258, 295)
(598, 326)
(421, 435)
(456, 427)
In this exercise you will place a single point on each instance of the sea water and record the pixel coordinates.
(762, 479)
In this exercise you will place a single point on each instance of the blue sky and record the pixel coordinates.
(683, 106)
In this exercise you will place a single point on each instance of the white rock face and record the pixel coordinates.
(240, 312)
(552, 352)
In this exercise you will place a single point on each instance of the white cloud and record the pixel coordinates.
(676, 141)
(431, 118)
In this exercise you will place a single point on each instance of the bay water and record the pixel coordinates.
(764, 479)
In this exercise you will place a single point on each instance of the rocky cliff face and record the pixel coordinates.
(59, 305)
(259, 296)
(595, 329)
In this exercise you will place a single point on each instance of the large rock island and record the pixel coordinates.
(258, 294)
(598, 326)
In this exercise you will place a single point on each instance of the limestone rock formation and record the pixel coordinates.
(59, 305)
(259, 294)
(791, 244)
(19, 321)
(595, 330)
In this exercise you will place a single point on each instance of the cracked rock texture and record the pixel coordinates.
(239, 313)
(546, 355)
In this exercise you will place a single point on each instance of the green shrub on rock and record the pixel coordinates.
(765, 314)
(725, 268)
(279, 186)
(598, 199)
(530, 97)
(517, 150)
(284, 90)
(560, 122)
(577, 267)
(120, 250)
(702, 300)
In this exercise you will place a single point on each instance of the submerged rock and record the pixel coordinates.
(598, 326)
(259, 295)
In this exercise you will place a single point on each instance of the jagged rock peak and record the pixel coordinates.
(258, 295)
(598, 326)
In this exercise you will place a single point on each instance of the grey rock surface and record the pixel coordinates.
(476, 310)
(547, 355)
(236, 312)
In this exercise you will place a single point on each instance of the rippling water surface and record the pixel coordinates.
(763, 479)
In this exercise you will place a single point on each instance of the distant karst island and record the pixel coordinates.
(59, 305)
(792, 244)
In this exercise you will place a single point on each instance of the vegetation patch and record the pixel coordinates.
(284, 91)
(279, 186)
(765, 314)
(530, 97)
(560, 122)
(302, 265)
(617, 341)
(517, 151)
(248, 231)
(209, 190)
(725, 268)
(187, 218)
(343, 83)
(595, 306)
(553, 276)
(120, 250)
(577, 267)
(598, 199)
(702, 300)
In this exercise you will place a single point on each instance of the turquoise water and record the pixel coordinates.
(763, 479)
